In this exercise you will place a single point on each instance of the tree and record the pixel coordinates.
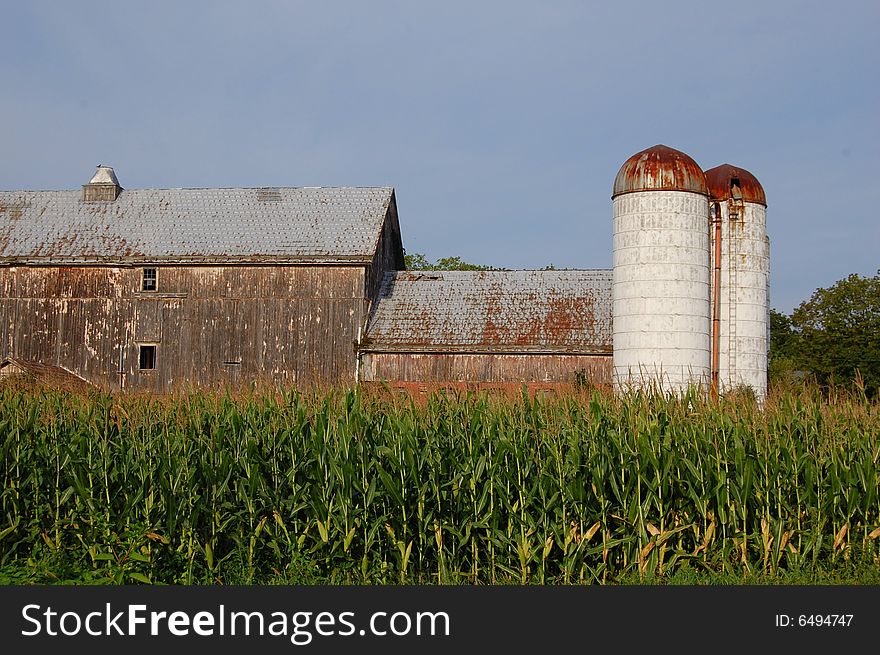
(836, 333)
(783, 346)
(457, 264)
(418, 262)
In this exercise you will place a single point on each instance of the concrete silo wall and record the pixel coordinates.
(660, 289)
(744, 303)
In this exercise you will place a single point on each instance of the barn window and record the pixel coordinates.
(149, 280)
(147, 358)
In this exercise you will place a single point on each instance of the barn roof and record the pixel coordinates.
(293, 225)
(49, 374)
(492, 311)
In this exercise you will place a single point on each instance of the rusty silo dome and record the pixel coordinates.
(660, 168)
(722, 181)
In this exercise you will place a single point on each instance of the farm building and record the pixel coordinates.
(539, 327)
(155, 289)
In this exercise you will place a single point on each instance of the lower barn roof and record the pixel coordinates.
(567, 311)
(49, 374)
(193, 225)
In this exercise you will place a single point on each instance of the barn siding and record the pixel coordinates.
(388, 256)
(485, 367)
(288, 325)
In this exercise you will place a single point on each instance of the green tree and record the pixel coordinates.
(418, 262)
(783, 347)
(457, 264)
(836, 333)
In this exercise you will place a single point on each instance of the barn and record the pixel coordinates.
(543, 328)
(153, 289)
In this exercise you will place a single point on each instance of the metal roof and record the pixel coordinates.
(660, 168)
(720, 183)
(44, 373)
(185, 225)
(493, 311)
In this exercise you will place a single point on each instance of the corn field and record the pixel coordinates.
(351, 487)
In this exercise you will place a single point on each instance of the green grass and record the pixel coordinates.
(345, 488)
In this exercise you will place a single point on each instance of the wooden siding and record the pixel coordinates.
(388, 257)
(485, 367)
(294, 325)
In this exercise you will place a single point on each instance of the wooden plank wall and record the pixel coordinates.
(486, 367)
(388, 257)
(293, 325)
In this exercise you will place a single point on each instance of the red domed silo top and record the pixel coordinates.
(723, 180)
(660, 168)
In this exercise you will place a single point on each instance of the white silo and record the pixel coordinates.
(743, 300)
(660, 289)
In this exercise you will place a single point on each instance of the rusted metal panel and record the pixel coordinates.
(493, 311)
(728, 182)
(660, 168)
(196, 226)
(488, 368)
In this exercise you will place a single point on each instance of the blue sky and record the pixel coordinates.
(501, 125)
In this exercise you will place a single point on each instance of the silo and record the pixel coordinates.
(660, 288)
(743, 295)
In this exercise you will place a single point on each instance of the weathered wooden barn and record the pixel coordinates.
(157, 288)
(542, 328)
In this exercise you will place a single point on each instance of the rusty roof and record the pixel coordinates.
(659, 168)
(720, 181)
(49, 374)
(500, 311)
(182, 225)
